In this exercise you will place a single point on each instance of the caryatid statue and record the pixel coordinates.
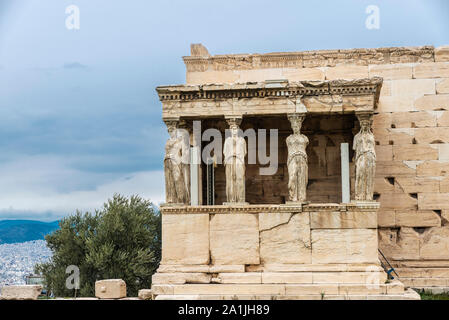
(234, 152)
(175, 188)
(183, 132)
(365, 159)
(297, 160)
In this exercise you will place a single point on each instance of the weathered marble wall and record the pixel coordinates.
(411, 127)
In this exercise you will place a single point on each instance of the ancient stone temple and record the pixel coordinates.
(286, 172)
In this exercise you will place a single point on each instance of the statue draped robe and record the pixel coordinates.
(365, 162)
(234, 159)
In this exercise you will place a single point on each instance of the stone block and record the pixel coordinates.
(369, 278)
(382, 120)
(210, 77)
(386, 88)
(308, 289)
(395, 287)
(444, 185)
(110, 289)
(244, 277)
(145, 294)
(397, 201)
(227, 268)
(433, 201)
(286, 242)
(233, 289)
(442, 86)
(234, 239)
(414, 152)
(434, 243)
(180, 278)
(416, 184)
(259, 75)
(386, 218)
(419, 119)
(365, 289)
(399, 244)
(393, 169)
(384, 153)
(286, 277)
(436, 168)
(172, 268)
(431, 70)
(443, 151)
(273, 219)
(436, 135)
(436, 102)
(347, 72)
(412, 88)
(382, 185)
(162, 289)
(396, 104)
(344, 246)
(20, 292)
(343, 220)
(185, 239)
(442, 54)
(311, 74)
(391, 71)
(443, 118)
(417, 218)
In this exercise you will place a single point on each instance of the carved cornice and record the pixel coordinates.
(224, 209)
(272, 89)
(310, 59)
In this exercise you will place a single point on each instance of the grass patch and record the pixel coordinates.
(426, 295)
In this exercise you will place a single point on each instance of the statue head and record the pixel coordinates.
(365, 125)
(234, 130)
(171, 128)
(296, 121)
(234, 126)
(365, 120)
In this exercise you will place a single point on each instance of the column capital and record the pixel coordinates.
(171, 121)
(233, 120)
(364, 115)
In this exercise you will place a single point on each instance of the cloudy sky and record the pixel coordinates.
(79, 116)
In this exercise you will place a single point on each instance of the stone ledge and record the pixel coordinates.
(262, 208)
(20, 292)
(308, 59)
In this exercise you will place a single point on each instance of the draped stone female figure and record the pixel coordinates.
(234, 152)
(297, 161)
(174, 179)
(365, 160)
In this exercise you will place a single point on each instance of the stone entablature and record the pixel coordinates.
(308, 59)
(269, 97)
(312, 207)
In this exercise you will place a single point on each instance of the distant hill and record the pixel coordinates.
(12, 231)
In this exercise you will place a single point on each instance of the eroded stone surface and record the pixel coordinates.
(344, 246)
(185, 239)
(234, 239)
(110, 289)
(20, 292)
(288, 242)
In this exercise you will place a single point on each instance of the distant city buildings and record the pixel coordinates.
(17, 260)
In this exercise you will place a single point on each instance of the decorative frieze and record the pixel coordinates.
(280, 89)
(309, 59)
(261, 208)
